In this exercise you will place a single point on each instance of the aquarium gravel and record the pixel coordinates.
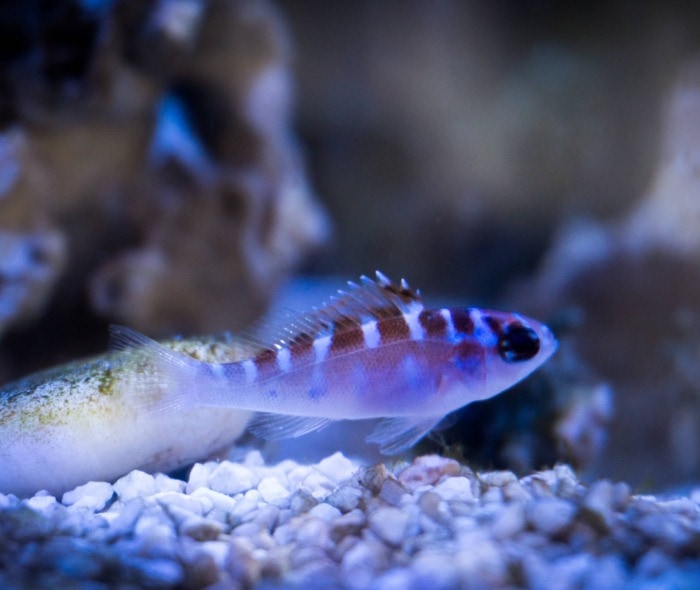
(434, 524)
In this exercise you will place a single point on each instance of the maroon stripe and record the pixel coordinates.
(347, 338)
(393, 329)
(300, 346)
(434, 325)
(493, 323)
(265, 356)
(462, 320)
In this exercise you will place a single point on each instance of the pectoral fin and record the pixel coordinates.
(277, 426)
(394, 435)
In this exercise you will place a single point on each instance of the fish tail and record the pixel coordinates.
(165, 376)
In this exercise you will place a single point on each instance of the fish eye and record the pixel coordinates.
(518, 343)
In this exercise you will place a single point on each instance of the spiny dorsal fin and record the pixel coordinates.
(369, 300)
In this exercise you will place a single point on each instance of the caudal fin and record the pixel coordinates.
(159, 377)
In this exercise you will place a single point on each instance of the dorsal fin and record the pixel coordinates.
(369, 300)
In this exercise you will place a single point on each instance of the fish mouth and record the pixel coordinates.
(548, 342)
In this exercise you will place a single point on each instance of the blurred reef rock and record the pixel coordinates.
(148, 171)
(630, 286)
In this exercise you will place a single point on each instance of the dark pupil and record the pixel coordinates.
(518, 343)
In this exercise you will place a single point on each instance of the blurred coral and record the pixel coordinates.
(630, 289)
(147, 156)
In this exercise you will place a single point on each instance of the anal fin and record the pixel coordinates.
(276, 426)
(394, 435)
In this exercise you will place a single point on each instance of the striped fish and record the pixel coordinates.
(374, 351)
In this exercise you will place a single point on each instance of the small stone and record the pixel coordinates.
(668, 532)
(348, 524)
(302, 501)
(337, 468)
(168, 484)
(492, 496)
(597, 506)
(481, 562)
(135, 484)
(158, 572)
(372, 478)
(93, 495)
(314, 532)
(254, 460)
(653, 563)
(125, 520)
(199, 476)
(247, 530)
(433, 506)
(217, 500)
(365, 557)
(345, 498)
(244, 510)
(497, 478)
(390, 524)
(516, 492)
(318, 484)
(189, 504)
(231, 478)
(551, 515)
(217, 550)
(607, 573)
(42, 504)
(273, 492)
(427, 470)
(155, 529)
(201, 529)
(455, 488)
(397, 578)
(508, 522)
(392, 492)
(435, 571)
(266, 517)
(325, 512)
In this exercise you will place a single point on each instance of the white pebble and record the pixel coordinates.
(318, 484)
(217, 500)
(324, 512)
(273, 492)
(435, 570)
(43, 504)
(93, 495)
(455, 488)
(254, 459)
(201, 529)
(427, 470)
(243, 507)
(168, 484)
(189, 504)
(397, 578)
(217, 550)
(509, 521)
(199, 476)
(497, 478)
(551, 515)
(390, 524)
(337, 467)
(231, 478)
(135, 484)
(345, 498)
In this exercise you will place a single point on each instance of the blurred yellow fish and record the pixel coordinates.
(92, 420)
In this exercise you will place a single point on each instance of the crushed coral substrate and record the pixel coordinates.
(431, 524)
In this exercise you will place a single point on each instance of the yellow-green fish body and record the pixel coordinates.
(95, 420)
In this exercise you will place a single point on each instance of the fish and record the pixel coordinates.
(91, 420)
(374, 351)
